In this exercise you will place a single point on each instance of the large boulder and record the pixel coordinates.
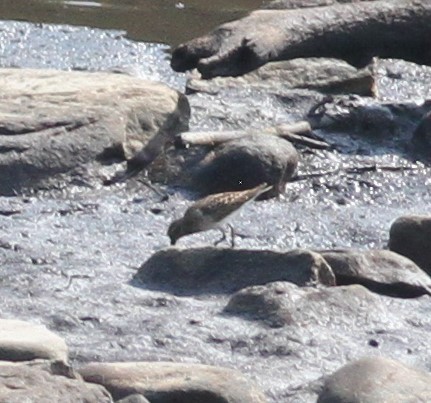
(56, 122)
(376, 380)
(410, 236)
(162, 382)
(217, 270)
(23, 341)
(34, 383)
(381, 271)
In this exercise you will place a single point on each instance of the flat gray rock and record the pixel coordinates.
(162, 382)
(57, 122)
(23, 341)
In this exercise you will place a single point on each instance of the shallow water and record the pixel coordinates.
(160, 21)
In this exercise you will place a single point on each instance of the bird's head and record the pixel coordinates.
(175, 231)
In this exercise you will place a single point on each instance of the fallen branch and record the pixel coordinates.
(294, 132)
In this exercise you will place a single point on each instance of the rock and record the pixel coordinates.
(162, 382)
(410, 236)
(135, 398)
(216, 270)
(284, 304)
(23, 341)
(245, 163)
(376, 380)
(381, 271)
(323, 74)
(24, 383)
(59, 122)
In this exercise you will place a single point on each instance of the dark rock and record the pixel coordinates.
(410, 236)
(162, 382)
(135, 398)
(25, 383)
(284, 304)
(245, 163)
(381, 271)
(376, 380)
(216, 270)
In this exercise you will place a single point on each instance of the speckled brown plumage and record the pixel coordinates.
(211, 211)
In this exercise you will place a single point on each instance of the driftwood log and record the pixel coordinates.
(353, 32)
(298, 132)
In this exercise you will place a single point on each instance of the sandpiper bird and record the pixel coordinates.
(212, 211)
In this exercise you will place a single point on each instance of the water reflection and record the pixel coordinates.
(165, 21)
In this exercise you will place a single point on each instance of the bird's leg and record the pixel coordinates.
(222, 238)
(232, 234)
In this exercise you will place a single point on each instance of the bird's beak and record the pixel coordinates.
(173, 241)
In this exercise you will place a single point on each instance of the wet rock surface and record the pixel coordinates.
(68, 256)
